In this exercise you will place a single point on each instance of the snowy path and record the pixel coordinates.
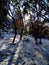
(25, 52)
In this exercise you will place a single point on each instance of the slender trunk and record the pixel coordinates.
(14, 36)
(15, 30)
(40, 41)
(36, 41)
(21, 33)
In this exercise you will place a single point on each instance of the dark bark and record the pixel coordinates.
(15, 30)
(14, 36)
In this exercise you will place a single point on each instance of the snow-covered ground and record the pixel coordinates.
(24, 52)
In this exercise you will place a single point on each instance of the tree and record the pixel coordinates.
(38, 9)
(3, 13)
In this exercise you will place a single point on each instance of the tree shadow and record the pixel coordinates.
(8, 52)
(22, 52)
(15, 56)
(44, 52)
(24, 55)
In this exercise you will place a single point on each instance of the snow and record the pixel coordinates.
(24, 52)
(46, 24)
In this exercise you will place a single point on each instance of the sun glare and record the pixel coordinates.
(27, 17)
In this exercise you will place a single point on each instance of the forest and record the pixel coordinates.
(24, 32)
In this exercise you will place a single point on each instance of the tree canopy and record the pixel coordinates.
(37, 9)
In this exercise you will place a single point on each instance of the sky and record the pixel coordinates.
(11, 7)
